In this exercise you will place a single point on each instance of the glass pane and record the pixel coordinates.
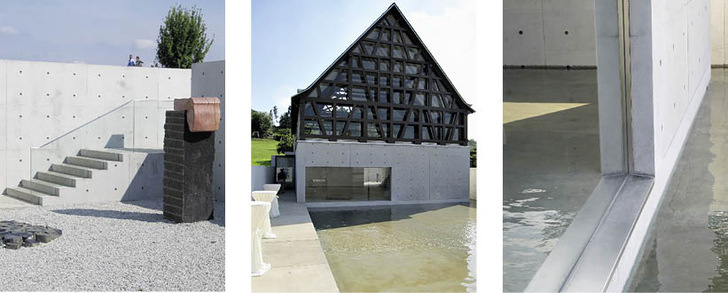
(325, 110)
(436, 100)
(357, 49)
(397, 52)
(356, 76)
(399, 114)
(340, 94)
(385, 35)
(422, 84)
(354, 129)
(348, 183)
(448, 118)
(396, 37)
(435, 86)
(383, 50)
(390, 19)
(397, 81)
(373, 131)
(308, 110)
(397, 97)
(358, 94)
(344, 62)
(355, 62)
(436, 117)
(368, 48)
(328, 127)
(419, 100)
(311, 127)
(340, 127)
(343, 111)
(406, 39)
(384, 65)
(395, 130)
(407, 98)
(325, 89)
(383, 96)
(371, 114)
(373, 95)
(357, 113)
(398, 67)
(343, 76)
(313, 94)
(371, 78)
(369, 64)
(374, 34)
(414, 116)
(456, 134)
(409, 82)
(426, 133)
(383, 113)
(332, 75)
(447, 101)
(412, 53)
(383, 80)
(385, 130)
(409, 132)
(412, 68)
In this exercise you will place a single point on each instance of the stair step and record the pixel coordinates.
(71, 170)
(26, 195)
(102, 155)
(86, 162)
(42, 186)
(57, 178)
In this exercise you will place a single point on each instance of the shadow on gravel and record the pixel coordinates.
(112, 214)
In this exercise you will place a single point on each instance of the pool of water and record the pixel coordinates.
(422, 248)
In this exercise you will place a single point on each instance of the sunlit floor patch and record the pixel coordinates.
(519, 111)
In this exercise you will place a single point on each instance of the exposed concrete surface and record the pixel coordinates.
(298, 263)
(261, 175)
(208, 80)
(9, 202)
(419, 172)
(685, 250)
(550, 164)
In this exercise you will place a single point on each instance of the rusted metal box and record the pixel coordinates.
(203, 113)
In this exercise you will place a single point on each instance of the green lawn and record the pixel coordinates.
(261, 150)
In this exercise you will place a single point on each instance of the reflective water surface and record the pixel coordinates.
(403, 248)
(687, 248)
(550, 162)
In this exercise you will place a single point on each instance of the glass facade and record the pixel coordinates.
(347, 183)
(390, 78)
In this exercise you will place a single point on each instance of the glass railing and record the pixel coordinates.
(136, 125)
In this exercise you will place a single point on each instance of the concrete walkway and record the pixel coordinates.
(296, 257)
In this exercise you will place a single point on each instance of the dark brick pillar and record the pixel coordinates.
(188, 160)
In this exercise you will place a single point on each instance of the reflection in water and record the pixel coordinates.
(400, 248)
(529, 234)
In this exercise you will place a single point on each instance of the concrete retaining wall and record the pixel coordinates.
(40, 101)
(260, 175)
(208, 80)
(419, 172)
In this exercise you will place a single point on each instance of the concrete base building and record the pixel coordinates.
(382, 124)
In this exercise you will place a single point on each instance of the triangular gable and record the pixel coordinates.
(386, 67)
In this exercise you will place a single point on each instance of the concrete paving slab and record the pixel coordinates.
(298, 263)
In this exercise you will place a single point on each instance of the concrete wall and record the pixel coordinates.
(208, 80)
(261, 175)
(419, 172)
(678, 44)
(473, 183)
(534, 33)
(40, 101)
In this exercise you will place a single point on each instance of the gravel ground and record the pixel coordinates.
(116, 247)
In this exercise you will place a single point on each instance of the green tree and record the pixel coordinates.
(473, 153)
(285, 120)
(285, 144)
(261, 124)
(182, 40)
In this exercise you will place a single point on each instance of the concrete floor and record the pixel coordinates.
(298, 263)
(687, 249)
(550, 162)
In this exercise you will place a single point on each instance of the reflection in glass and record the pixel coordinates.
(345, 183)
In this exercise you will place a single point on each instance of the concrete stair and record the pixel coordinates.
(48, 186)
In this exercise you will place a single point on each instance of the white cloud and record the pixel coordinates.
(6, 30)
(144, 44)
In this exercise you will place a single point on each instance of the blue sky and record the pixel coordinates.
(293, 42)
(96, 31)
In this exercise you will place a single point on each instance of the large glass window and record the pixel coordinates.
(346, 183)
